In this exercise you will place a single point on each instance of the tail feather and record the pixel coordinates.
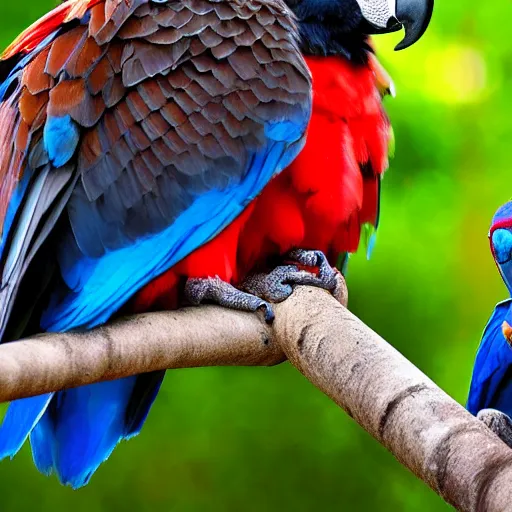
(144, 394)
(41, 449)
(83, 426)
(21, 417)
(76, 430)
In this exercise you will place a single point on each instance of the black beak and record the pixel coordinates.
(415, 16)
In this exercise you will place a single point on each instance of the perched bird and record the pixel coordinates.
(154, 152)
(490, 395)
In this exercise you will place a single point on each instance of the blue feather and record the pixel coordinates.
(41, 445)
(84, 437)
(20, 419)
(81, 427)
(284, 131)
(101, 286)
(504, 213)
(21, 188)
(148, 385)
(491, 384)
(60, 136)
(12, 209)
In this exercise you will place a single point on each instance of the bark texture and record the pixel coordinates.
(207, 336)
(428, 432)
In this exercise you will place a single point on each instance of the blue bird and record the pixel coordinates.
(490, 395)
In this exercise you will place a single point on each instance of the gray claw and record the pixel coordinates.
(214, 289)
(499, 422)
(276, 286)
(329, 278)
(307, 258)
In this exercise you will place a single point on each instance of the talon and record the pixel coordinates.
(307, 258)
(329, 278)
(274, 286)
(214, 289)
(268, 312)
(499, 422)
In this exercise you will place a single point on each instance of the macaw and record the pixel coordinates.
(154, 151)
(490, 394)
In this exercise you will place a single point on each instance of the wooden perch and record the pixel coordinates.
(450, 450)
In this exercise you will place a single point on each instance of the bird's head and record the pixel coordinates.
(331, 27)
(500, 236)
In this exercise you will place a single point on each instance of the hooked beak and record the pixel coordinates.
(412, 15)
(415, 16)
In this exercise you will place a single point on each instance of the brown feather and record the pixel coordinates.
(66, 96)
(61, 50)
(113, 92)
(31, 104)
(86, 57)
(171, 100)
(100, 75)
(155, 126)
(34, 75)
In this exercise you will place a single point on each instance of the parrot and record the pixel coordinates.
(490, 393)
(155, 153)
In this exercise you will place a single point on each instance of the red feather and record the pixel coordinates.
(42, 28)
(319, 202)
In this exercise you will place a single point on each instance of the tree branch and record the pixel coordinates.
(440, 442)
(207, 336)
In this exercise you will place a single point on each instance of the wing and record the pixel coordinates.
(141, 129)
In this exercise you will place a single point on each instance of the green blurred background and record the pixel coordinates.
(231, 439)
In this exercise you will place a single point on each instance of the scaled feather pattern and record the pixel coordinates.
(143, 143)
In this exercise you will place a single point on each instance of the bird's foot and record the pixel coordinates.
(330, 278)
(217, 291)
(277, 285)
(499, 422)
(259, 290)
